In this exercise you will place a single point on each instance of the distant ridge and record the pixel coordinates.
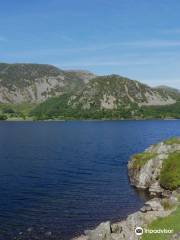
(53, 92)
(37, 82)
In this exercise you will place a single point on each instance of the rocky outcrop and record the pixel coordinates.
(146, 176)
(143, 175)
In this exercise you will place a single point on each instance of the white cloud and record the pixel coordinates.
(95, 47)
(62, 50)
(125, 60)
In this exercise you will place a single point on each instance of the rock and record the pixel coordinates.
(102, 232)
(162, 148)
(146, 208)
(124, 230)
(153, 194)
(143, 209)
(48, 234)
(177, 190)
(116, 228)
(146, 176)
(156, 188)
(173, 200)
(82, 237)
(30, 229)
(166, 193)
(175, 236)
(115, 236)
(155, 204)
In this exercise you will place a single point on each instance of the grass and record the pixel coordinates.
(169, 222)
(166, 204)
(170, 172)
(24, 107)
(16, 111)
(173, 140)
(141, 159)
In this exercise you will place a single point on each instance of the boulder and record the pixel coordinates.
(166, 193)
(173, 200)
(116, 236)
(102, 232)
(156, 188)
(146, 208)
(116, 228)
(175, 236)
(82, 237)
(155, 204)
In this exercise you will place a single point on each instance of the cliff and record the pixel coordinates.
(149, 170)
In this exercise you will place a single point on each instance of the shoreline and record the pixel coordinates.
(125, 229)
(86, 120)
(113, 223)
(162, 204)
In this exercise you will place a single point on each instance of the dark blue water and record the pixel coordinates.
(64, 177)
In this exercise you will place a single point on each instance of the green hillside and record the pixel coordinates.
(40, 91)
(109, 97)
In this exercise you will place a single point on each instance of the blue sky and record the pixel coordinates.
(139, 39)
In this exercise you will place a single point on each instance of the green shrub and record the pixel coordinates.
(173, 140)
(3, 117)
(140, 159)
(170, 172)
(166, 204)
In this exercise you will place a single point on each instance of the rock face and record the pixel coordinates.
(37, 82)
(116, 92)
(146, 176)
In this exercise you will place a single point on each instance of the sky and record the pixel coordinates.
(139, 39)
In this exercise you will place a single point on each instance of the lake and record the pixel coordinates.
(59, 178)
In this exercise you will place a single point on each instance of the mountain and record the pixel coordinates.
(37, 82)
(113, 92)
(110, 96)
(173, 92)
(45, 91)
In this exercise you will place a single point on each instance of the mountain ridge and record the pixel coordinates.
(36, 82)
(54, 92)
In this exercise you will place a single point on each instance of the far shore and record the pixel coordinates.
(85, 120)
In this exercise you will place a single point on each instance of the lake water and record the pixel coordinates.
(59, 178)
